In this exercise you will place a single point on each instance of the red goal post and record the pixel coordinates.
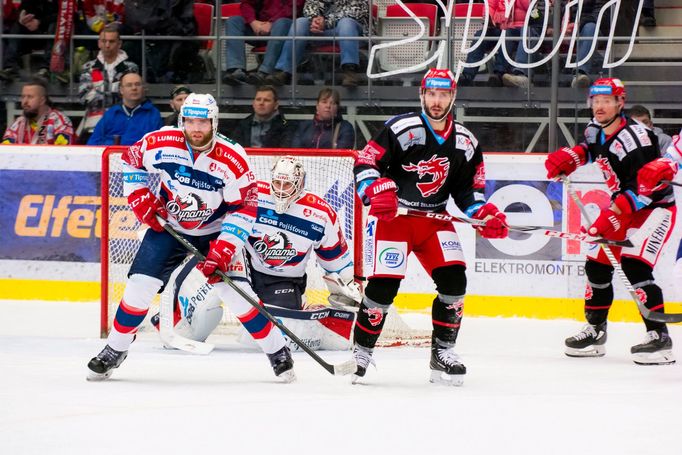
(329, 173)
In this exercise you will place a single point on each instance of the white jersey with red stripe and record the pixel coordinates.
(281, 243)
(674, 151)
(204, 192)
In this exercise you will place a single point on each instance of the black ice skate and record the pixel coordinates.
(589, 342)
(283, 364)
(446, 365)
(104, 363)
(656, 349)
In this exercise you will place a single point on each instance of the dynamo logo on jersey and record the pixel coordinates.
(196, 112)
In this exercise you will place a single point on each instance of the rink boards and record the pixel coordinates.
(49, 231)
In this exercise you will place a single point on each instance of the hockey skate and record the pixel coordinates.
(656, 349)
(283, 364)
(363, 358)
(589, 342)
(446, 365)
(104, 363)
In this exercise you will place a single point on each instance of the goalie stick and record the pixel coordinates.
(166, 327)
(528, 229)
(646, 312)
(344, 368)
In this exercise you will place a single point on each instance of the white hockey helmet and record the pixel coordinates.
(288, 180)
(200, 105)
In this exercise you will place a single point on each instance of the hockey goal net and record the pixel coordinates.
(329, 173)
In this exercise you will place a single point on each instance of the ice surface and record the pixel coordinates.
(521, 396)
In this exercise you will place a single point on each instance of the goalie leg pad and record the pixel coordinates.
(137, 296)
(641, 276)
(598, 291)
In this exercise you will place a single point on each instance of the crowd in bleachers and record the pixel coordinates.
(118, 112)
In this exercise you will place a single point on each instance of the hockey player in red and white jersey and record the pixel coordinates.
(291, 226)
(620, 147)
(419, 161)
(650, 179)
(207, 193)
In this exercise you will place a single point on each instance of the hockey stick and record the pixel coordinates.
(541, 230)
(344, 368)
(646, 312)
(167, 332)
(670, 182)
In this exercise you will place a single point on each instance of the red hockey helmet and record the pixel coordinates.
(440, 79)
(608, 86)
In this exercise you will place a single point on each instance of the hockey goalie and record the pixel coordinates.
(291, 225)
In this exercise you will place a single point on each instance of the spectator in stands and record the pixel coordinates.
(648, 19)
(174, 60)
(327, 130)
(504, 73)
(99, 13)
(266, 127)
(339, 18)
(177, 97)
(99, 80)
(642, 115)
(258, 18)
(36, 17)
(127, 122)
(587, 27)
(39, 123)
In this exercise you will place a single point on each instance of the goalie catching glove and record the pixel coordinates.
(383, 199)
(565, 161)
(495, 226)
(218, 258)
(650, 175)
(146, 206)
(343, 290)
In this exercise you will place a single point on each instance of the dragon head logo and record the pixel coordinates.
(437, 167)
(612, 180)
(190, 210)
(374, 316)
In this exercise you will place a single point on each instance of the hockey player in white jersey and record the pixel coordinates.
(208, 194)
(291, 224)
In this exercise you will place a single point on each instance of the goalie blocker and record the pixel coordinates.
(197, 310)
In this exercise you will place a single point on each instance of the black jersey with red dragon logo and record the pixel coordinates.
(621, 155)
(426, 166)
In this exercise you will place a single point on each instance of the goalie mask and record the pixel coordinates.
(438, 79)
(288, 180)
(198, 105)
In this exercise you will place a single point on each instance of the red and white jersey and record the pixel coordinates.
(281, 243)
(53, 128)
(674, 151)
(204, 192)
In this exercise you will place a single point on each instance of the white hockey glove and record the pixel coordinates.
(343, 290)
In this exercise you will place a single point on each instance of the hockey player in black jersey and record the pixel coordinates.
(419, 160)
(621, 147)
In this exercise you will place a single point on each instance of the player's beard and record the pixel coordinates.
(201, 144)
(31, 114)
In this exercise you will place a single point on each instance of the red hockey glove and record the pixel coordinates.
(495, 226)
(564, 161)
(146, 206)
(218, 258)
(612, 225)
(650, 175)
(382, 198)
